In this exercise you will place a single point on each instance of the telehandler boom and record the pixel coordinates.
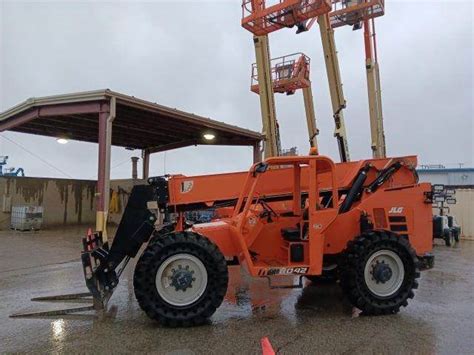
(301, 216)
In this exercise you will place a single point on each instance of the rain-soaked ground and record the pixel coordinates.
(314, 320)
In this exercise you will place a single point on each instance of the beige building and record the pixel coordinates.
(65, 201)
(463, 211)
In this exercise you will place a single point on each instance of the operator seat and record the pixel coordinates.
(293, 234)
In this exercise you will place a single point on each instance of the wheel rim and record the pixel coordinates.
(384, 273)
(181, 279)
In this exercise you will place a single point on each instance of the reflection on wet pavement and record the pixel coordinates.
(313, 320)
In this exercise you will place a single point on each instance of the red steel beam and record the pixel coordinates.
(48, 111)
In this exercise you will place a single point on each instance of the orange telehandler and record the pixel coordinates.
(367, 223)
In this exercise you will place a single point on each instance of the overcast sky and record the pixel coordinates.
(194, 55)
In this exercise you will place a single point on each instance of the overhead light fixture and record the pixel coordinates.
(62, 140)
(209, 136)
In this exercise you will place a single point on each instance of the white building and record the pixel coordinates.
(462, 179)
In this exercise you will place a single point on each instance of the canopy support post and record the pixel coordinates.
(106, 117)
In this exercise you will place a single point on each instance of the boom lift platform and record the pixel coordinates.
(262, 17)
(353, 12)
(288, 74)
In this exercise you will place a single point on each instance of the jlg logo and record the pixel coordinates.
(396, 210)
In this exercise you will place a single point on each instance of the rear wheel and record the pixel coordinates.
(181, 279)
(448, 238)
(456, 233)
(379, 272)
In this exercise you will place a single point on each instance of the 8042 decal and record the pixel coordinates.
(283, 271)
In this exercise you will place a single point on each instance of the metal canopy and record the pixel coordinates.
(110, 118)
(138, 124)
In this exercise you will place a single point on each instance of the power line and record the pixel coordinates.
(121, 163)
(113, 167)
(36, 156)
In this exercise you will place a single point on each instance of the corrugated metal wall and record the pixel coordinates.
(453, 177)
(463, 211)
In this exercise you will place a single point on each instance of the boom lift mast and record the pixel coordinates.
(361, 13)
(262, 19)
(335, 85)
(288, 74)
(272, 146)
(374, 91)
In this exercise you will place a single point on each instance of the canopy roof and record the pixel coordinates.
(138, 124)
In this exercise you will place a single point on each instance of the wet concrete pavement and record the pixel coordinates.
(314, 320)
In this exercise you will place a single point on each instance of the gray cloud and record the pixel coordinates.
(196, 57)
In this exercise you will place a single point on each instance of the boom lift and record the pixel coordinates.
(262, 19)
(361, 13)
(288, 74)
(9, 171)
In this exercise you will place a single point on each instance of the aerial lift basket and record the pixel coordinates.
(353, 12)
(289, 73)
(263, 17)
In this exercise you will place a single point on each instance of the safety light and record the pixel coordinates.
(209, 136)
(62, 140)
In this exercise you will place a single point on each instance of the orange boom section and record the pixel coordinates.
(263, 17)
(208, 190)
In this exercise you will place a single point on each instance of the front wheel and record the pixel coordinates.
(379, 272)
(181, 279)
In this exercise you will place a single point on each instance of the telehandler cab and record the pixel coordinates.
(367, 223)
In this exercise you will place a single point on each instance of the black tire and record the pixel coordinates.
(448, 238)
(165, 247)
(353, 281)
(456, 233)
(168, 228)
